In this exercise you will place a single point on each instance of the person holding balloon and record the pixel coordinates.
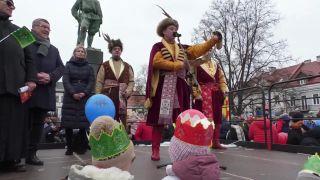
(78, 82)
(115, 79)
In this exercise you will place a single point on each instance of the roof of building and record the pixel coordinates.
(300, 70)
(136, 100)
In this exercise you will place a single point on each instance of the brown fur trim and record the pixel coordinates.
(164, 24)
(115, 43)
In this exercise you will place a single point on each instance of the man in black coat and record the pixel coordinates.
(49, 70)
(17, 69)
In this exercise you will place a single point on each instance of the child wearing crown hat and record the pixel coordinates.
(189, 149)
(112, 153)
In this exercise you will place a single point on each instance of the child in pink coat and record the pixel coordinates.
(189, 149)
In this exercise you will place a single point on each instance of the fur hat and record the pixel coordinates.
(112, 43)
(192, 136)
(110, 144)
(115, 43)
(164, 24)
(11, 1)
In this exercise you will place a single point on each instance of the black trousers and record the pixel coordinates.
(36, 122)
(76, 142)
(13, 128)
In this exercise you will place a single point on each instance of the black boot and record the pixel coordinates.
(34, 160)
(12, 166)
(68, 152)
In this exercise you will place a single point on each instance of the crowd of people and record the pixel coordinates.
(293, 128)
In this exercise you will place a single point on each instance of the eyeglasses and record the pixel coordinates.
(44, 27)
(9, 3)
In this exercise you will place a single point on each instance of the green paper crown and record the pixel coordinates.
(313, 164)
(108, 146)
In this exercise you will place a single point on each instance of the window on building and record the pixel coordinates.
(276, 99)
(303, 81)
(57, 98)
(316, 99)
(304, 102)
(292, 101)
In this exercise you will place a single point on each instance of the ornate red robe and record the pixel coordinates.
(154, 87)
(213, 97)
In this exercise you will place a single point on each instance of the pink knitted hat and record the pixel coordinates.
(192, 136)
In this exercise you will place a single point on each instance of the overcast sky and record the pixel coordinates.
(135, 22)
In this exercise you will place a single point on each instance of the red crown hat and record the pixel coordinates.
(194, 128)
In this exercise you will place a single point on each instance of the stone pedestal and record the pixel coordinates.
(95, 59)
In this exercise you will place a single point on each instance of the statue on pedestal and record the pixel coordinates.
(89, 16)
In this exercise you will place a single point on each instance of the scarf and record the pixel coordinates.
(169, 97)
(4, 16)
(43, 49)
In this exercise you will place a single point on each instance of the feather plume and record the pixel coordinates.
(106, 37)
(164, 12)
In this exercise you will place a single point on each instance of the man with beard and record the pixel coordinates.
(167, 90)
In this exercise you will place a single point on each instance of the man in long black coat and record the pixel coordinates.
(49, 70)
(17, 69)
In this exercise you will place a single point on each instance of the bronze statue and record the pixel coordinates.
(89, 16)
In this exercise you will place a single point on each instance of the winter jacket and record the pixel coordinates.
(282, 124)
(304, 136)
(78, 77)
(257, 132)
(44, 96)
(16, 64)
(205, 167)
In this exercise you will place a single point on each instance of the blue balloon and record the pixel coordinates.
(99, 105)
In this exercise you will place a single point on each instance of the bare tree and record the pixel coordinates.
(249, 45)
(141, 79)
